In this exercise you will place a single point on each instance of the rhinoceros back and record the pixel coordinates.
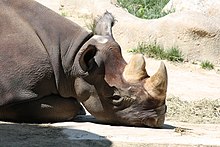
(24, 62)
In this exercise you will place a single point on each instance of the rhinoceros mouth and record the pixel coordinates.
(156, 117)
(156, 112)
(137, 117)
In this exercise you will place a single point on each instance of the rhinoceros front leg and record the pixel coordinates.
(48, 109)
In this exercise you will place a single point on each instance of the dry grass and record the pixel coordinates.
(202, 111)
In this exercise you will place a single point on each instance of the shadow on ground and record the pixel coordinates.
(25, 135)
(90, 118)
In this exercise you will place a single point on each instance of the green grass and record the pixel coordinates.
(207, 65)
(174, 54)
(157, 52)
(147, 9)
(152, 51)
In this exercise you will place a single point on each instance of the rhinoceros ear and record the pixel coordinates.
(84, 59)
(104, 25)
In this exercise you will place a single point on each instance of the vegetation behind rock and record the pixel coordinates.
(157, 52)
(147, 9)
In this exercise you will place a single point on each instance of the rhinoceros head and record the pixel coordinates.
(114, 91)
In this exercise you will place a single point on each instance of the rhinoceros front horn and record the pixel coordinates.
(156, 85)
(135, 70)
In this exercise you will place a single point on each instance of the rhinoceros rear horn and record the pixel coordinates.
(104, 25)
(135, 70)
(156, 85)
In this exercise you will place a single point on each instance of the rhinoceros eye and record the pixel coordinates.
(117, 100)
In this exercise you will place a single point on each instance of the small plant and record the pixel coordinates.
(157, 52)
(174, 54)
(63, 12)
(91, 25)
(207, 65)
(147, 9)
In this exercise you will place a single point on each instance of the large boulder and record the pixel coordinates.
(193, 31)
(206, 7)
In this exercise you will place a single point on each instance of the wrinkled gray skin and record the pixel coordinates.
(49, 65)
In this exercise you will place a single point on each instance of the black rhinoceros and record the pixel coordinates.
(49, 66)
